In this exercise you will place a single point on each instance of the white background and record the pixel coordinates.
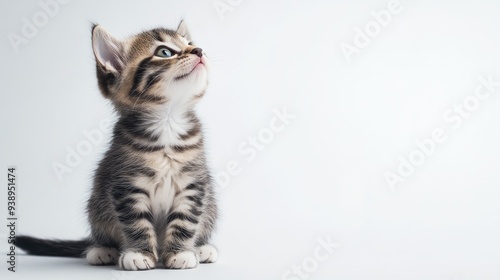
(322, 175)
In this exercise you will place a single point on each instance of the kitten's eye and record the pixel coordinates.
(164, 52)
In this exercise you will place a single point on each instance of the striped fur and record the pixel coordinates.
(152, 200)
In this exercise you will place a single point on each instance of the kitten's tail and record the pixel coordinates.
(55, 248)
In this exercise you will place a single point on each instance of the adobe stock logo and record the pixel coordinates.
(31, 26)
(372, 29)
(322, 252)
(225, 6)
(253, 145)
(75, 155)
(454, 117)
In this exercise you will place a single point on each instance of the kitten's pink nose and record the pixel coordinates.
(197, 51)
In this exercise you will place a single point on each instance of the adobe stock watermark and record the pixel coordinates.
(309, 265)
(84, 147)
(454, 118)
(122, 275)
(223, 7)
(372, 29)
(32, 25)
(253, 145)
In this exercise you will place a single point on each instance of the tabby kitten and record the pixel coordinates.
(152, 199)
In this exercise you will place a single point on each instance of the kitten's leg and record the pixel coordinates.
(207, 253)
(182, 227)
(102, 255)
(104, 250)
(136, 221)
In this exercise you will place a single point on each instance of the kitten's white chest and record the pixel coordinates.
(168, 169)
(162, 196)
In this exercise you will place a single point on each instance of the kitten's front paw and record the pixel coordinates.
(132, 260)
(181, 260)
(208, 254)
(102, 256)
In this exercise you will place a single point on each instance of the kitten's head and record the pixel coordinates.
(151, 69)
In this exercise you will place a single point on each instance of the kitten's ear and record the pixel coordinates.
(183, 30)
(107, 50)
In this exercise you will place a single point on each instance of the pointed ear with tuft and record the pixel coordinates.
(107, 50)
(183, 30)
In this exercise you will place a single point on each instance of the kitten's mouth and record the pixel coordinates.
(198, 65)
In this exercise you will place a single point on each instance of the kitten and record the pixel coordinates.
(152, 199)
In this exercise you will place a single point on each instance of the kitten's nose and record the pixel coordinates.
(197, 51)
